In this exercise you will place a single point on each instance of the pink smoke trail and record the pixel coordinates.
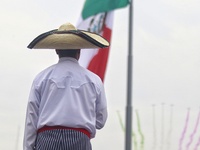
(184, 130)
(193, 133)
(197, 145)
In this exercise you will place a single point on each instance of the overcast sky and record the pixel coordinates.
(166, 69)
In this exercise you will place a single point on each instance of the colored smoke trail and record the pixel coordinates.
(162, 126)
(197, 145)
(120, 121)
(170, 127)
(193, 133)
(134, 140)
(123, 128)
(184, 130)
(154, 127)
(139, 130)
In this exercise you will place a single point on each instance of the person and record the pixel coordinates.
(67, 102)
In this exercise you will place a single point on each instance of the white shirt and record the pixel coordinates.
(65, 94)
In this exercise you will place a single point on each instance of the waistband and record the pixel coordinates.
(45, 128)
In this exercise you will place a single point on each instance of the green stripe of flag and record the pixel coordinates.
(93, 7)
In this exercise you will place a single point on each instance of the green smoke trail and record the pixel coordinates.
(123, 128)
(134, 140)
(120, 121)
(139, 130)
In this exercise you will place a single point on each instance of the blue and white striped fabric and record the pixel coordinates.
(61, 139)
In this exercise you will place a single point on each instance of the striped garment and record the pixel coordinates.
(62, 139)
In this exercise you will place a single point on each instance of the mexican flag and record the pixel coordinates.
(97, 16)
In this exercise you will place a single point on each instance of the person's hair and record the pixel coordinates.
(67, 53)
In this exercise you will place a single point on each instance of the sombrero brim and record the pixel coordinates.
(68, 39)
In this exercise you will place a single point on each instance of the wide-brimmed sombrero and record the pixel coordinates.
(68, 37)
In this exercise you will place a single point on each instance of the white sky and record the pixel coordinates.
(166, 68)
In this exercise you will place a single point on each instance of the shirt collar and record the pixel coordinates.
(68, 59)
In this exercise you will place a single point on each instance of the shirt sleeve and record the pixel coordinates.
(101, 109)
(31, 119)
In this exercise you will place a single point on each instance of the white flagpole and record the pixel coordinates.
(128, 138)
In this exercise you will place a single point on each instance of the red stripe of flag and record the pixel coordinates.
(99, 61)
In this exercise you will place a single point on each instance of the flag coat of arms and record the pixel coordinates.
(97, 16)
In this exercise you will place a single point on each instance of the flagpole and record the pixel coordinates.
(128, 137)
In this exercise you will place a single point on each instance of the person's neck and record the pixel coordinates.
(67, 57)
